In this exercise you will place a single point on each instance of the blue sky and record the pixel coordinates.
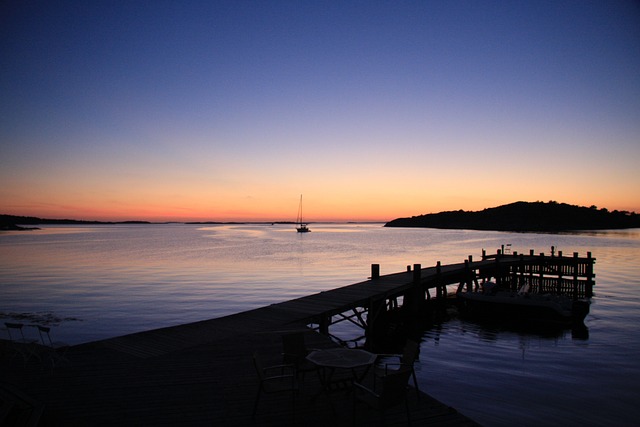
(373, 110)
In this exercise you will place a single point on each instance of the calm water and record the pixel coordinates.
(94, 282)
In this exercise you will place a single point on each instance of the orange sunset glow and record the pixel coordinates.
(229, 113)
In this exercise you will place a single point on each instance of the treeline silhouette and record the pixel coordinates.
(526, 216)
(10, 222)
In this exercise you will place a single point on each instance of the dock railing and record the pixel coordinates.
(370, 302)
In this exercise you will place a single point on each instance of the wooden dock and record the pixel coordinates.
(202, 374)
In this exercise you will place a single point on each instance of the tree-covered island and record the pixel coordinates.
(526, 216)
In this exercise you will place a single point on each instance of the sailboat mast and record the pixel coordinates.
(302, 228)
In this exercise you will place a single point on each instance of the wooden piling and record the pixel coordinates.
(414, 296)
(589, 273)
(576, 271)
(375, 271)
(441, 290)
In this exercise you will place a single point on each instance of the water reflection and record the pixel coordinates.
(490, 330)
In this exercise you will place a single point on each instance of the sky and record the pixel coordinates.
(372, 110)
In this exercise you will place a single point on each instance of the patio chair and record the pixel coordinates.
(17, 408)
(25, 347)
(273, 380)
(57, 349)
(392, 394)
(294, 352)
(405, 361)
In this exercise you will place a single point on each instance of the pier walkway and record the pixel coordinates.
(201, 374)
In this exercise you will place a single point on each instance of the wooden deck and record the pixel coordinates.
(201, 374)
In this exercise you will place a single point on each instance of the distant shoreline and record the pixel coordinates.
(14, 227)
(15, 223)
(516, 217)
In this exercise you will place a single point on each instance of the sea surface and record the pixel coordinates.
(95, 282)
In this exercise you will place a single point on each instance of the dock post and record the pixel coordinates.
(522, 270)
(576, 267)
(529, 266)
(414, 296)
(323, 326)
(375, 309)
(588, 287)
(417, 273)
(375, 271)
(560, 272)
(541, 271)
(467, 276)
(439, 286)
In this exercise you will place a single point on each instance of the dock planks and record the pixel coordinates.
(192, 375)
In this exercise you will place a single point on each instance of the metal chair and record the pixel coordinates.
(275, 379)
(405, 361)
(294, 352)
(393, 393)
(57, 349)
(25, 347)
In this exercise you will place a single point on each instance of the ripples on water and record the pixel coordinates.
(94, 282)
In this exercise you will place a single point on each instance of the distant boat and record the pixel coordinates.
(302, 227)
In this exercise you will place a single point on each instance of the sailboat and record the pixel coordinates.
(302, 227)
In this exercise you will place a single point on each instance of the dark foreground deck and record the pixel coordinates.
(201, 374)
(198, 374)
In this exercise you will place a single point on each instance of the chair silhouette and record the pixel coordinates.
(57, 349)
(294, 352)
(406, 361)
(275, 379)
(393, 393)
(19, 408)
(25, 347)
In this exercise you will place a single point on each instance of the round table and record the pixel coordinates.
(341, 358)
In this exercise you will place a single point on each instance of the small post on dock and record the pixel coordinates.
(323, 326)
(588, 287)
(521, 270)
(541, 272)
(375, 271)
(559, 290)
(440, 288)
(414, 295)
(376, 313)
(576, 267)
(467, 275)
